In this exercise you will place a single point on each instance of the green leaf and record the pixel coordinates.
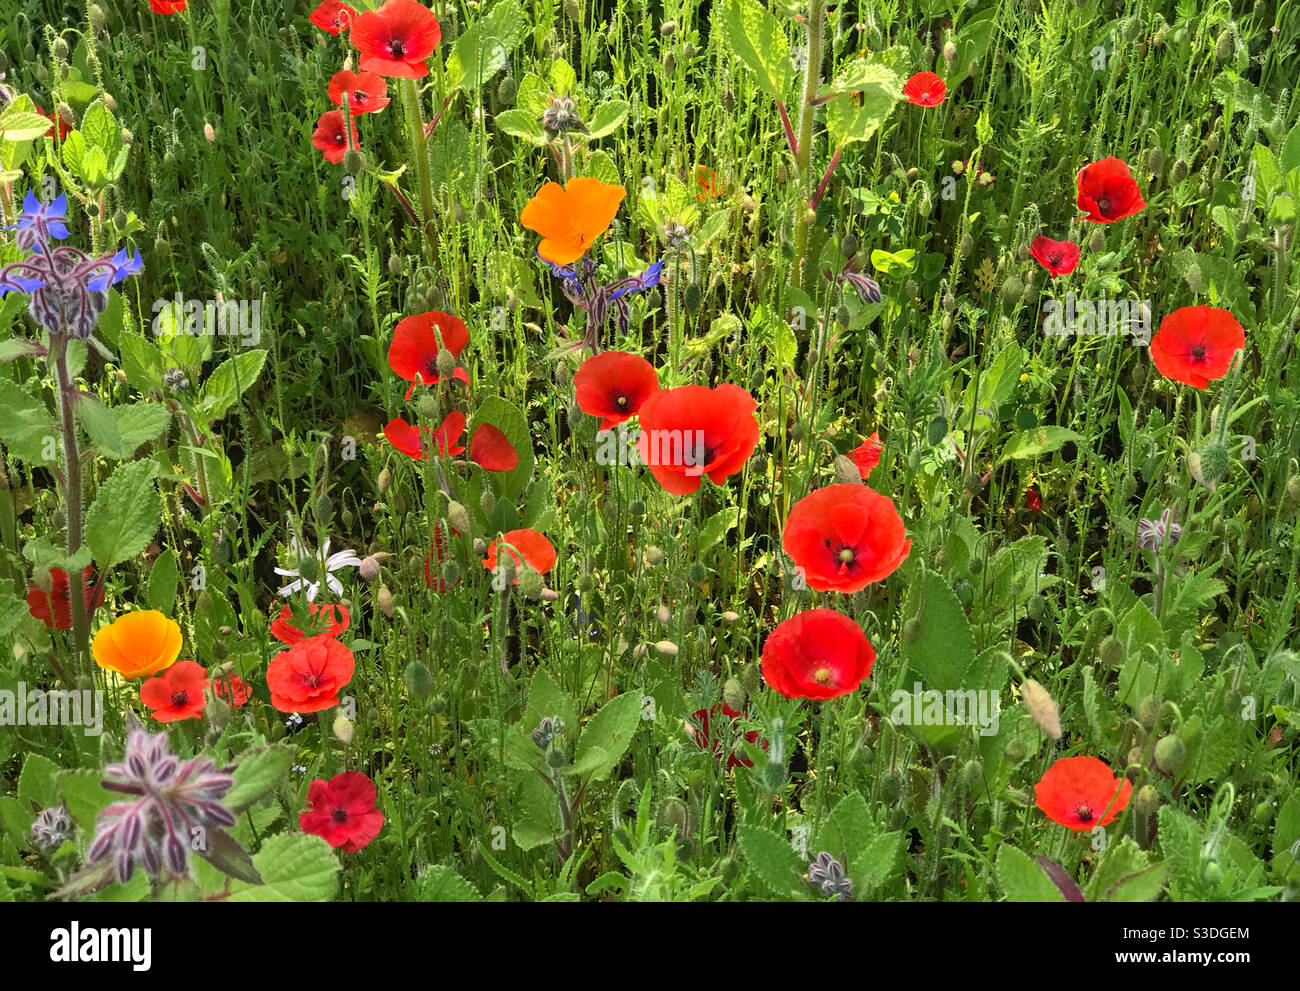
(26, 426)
(164, 578)
(142, 361)
(84, 796)
(545, 698)
(774, 862)
(37, 782)
(521, 124)
(259, 770)
(1180, 842)
(223, 852)
(13, 611)
(1123, 860)
(606, 738)
(1143, 886)
(1022, 879)
(1041, 440)
(715, 528)
(139, 423)
(18, 347)
(124, 516)
(483, 50)
(442, 884)
(563, 78)
(755, 36)
(944, 651)
(1269, 175)
(100, 424)
(294, 867)
(100, 128)
(1286, 831)
(607, 119)
(228, 381)
(535, 816)
(857, 118)
(22, 126)
(1290, 158)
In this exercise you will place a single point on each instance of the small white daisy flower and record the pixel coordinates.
(326, 562)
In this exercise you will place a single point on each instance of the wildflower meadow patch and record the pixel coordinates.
(748, 450)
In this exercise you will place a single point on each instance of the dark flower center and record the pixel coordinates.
(397, 48)
(1198, 353)
(1055, 258)
(1103, 206)
(340, 139)
(621, 402)
(1084, 813)
(311, 680)
(180, 698)
(339, 815)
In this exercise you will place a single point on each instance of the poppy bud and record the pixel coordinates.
(1015, 750)
(1013, 289)
(729, 101)
(912, 630)
(450, 572)
(385, 600)
(127, 137)
(219, 650)
(530, 582)
(653, 555)
(384, 480)
(1263, 813)
(369, 569)
(1214, 463)
(96, 15)
(636, 508)
(1211, 873)
(697, 573)
(487, 502)
(1170, 754)
(1223, 44)
(891, 787)
(774, 776)
(1293, 491)
(205, 602)
(846, 472)
(1112, 652)
(1018, 797)
(342, 728)
(667, 28)
(1179, 172)
(396, 265)
(507, 90)
(949, 54)
(663, 614)
(1147, 802)
(734, 695)
(480, 547)
(1042, 708)
(59, 49)
(693, 297)
(782, 174)
(1133, 29)
(217, 713)
(419, 680)
(972, 775)
(966, 246)
(1148, 711)
(849, 246)
(1097, 241)
(324, 508)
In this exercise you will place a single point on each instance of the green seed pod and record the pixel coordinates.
(849, 246)
(966, 246)
(1263, 813)
(1212, 873)
(667, 28)
(912, 630)
(585, 584)
(324, 508)
(1132, 29)
(530, 582)
(693, 297)
(396, 265)
(1148, 712)
(653, 555)
(751, 679)
(774, 776)
(1223, 45)
(1155, 160)
(59, 49)
(891, 787)
(1012, 289)
(418, 679)
(1170, 754)
(1015, 750)
(697, 573)
(1147, 802)
(1179, 172)
(1112, 652)
(734, 695)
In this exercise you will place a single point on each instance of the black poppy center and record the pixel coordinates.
(180, 698)
(340, 139)
(1198, 353)
(1056, 258)
(620, 402)
(397, 48)
(339, 815)
(1103, 205)
(1084, 813)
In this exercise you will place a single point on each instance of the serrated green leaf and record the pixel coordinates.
(259, 770)
(443, 884)
(295, 868)
(100, 425)
(607, 119)
(774, 862)
(483, 49)
(755, 36)
(606, 738)
(230, 380)
(124, 516)
(26, 426)
(1022, 880)
(1041, 440)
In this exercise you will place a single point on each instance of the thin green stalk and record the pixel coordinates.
(803, 157)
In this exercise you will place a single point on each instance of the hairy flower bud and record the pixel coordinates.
(1042, 708)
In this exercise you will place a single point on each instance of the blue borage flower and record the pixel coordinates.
(583, 291)
(68, 288)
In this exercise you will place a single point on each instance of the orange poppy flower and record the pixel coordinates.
(536, 550)
(570, 218)
(138, 644)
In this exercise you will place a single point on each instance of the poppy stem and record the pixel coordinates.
(789, 131)
(803, 155)
(420, 152)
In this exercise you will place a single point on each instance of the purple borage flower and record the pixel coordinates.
(68, 288)
(583, 291)
(174, 804)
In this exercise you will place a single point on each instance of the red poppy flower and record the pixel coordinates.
(1195, 344)
(332, 16)
(342, 811)
(55, 610)
(1058, 257)
(1107, 192)
(395, 39)
(167, 6)
(416, 341)
(1033, 501)
(613, 385)
(694, 431)
(336, 617)
(440, 546)
(232, 689)
(1077, 791)
(844, 537)
(537, 551)
(177, 693)
(867, 454)
(817, 654)
(329, 136)
(702, 727)
(64, 127)
(925, 89)
(491, 449)
(309, 675)
(365, 91)
(406, 437)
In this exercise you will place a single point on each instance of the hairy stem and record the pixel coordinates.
(803, 157)
(72, 481)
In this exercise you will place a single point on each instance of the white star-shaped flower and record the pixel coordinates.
(327, 564)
